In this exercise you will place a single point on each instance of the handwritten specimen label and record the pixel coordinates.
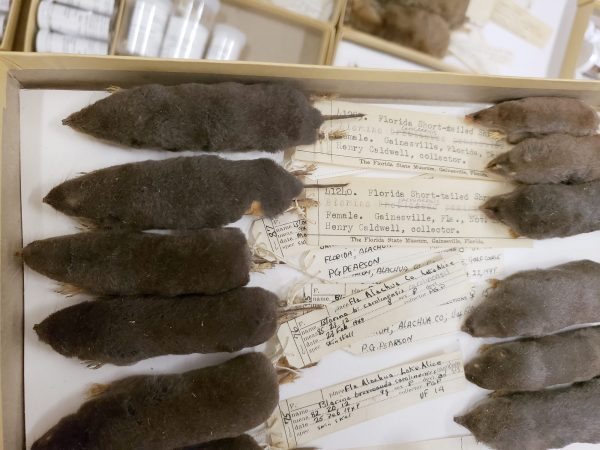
(420, 211)
(282, 238)
(370, 264)
(453, 443)
(438, 321)
(481, 265)
(308, 338)
(397, 139)
(302, 419)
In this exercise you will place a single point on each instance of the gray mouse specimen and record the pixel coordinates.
(532, 364)
(538, 302)
(210, 117)
(556, 158)
(159, 412)
(132, 263)
(538, 116)
(125, 330)
(177, 193)
(552, 418)
(545, 211)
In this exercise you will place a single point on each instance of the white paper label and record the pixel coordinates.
(397, 139)
(282, 238)
(440, 320)
(370, 264)
(421, 211)
(518, 20)
(302, 419)
(310, 337)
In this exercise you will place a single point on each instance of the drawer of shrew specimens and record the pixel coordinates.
(402, 276)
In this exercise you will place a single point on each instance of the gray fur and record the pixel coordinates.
(163, 412)
(176, 193)
(540, 420)
(538, 302)
(538, 116)
(210, 117)
(545, 211)
(132, 263)
(556, 158)
(535, 363)
(125, 330)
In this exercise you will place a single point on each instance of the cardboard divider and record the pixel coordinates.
(12, 434)
(30, 71)
(11, 25)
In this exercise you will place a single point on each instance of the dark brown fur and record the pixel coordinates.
(125, 330)
(545, 211)
(538, 116)
(540, 420)
(171, 411)
(211, 117)
(538, 302)
(243, 442)
(133, 263)
(556, 158)
(536, 363)
(176, 193)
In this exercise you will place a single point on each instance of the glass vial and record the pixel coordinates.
(226, 43)
(105, 7)
(147, 23)
(189, 28)
(72, 21)
(49, 42)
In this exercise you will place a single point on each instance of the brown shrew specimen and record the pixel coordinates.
(539, 302)
(413, 23)
(556, 158)
(532, 364)
(209, 117)
(207, 261)
(537, 117)
(177, 193)
(544, 211)
(125, 330)
(158, 412)
(539, 420)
